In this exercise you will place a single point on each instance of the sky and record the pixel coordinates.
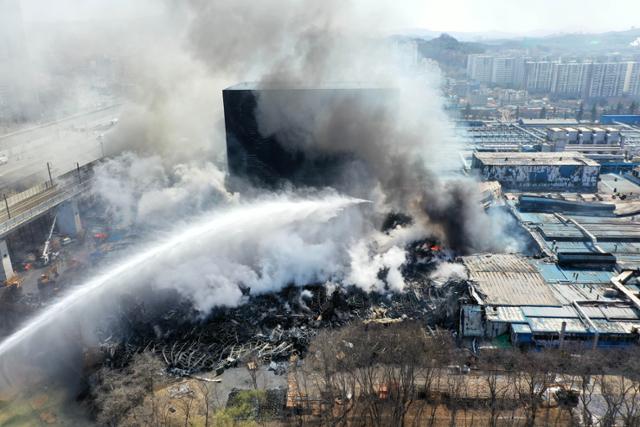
(507, 16)
(529, 16)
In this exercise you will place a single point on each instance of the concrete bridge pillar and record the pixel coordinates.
(6, 272)
(68, 218)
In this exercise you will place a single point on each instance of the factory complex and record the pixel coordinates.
(578, 281)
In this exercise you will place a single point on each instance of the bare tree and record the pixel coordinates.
(455, 384)
(613, 396)
(252, 368)
(186, 405)
(118, 392)
(404, 356)
(536, 371)
(439, 351)
(589, 364)
(206, 391)
(496, 367)
(333, 377)
(630, 389)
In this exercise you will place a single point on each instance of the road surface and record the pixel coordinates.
(62, 144)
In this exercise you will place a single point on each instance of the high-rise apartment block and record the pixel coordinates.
(480, 68)
(607, 79)
(632, 79)
(539, 76)
(570, 79)
(566, 79)
(500, 71)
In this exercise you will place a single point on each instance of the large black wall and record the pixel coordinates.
(267, 160)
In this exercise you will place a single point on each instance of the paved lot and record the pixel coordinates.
(63, 144)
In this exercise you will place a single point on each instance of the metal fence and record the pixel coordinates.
(63, 188)
(29, 193)
(57, 198)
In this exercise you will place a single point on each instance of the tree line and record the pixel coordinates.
(399, 374)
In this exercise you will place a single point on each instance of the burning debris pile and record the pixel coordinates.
(272, 327)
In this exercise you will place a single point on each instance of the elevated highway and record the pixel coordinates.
(29, 205)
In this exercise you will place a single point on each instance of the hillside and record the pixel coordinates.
(449, 52)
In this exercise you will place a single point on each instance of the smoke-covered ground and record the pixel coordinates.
(167, 168)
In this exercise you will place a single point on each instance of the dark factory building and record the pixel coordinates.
(278, 134)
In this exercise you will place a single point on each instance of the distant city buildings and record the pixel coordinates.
(565, 79)
(607, 79)
(570, 79)
(539, 76)
(632, 81)
(480, 68)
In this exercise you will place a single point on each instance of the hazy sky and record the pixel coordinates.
(520, 16)
(512, 16)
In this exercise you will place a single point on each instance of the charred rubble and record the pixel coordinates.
(272, 327)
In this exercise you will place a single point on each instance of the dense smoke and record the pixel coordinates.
(399, 140)
(171, 132)
(143, 190)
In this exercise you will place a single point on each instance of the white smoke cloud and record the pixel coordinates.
(449, 271)
(365, 267)
(139, 190)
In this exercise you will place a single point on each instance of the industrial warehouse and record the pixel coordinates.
(581, 285)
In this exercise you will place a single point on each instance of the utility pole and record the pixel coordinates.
(50, 177)
(78, 169)
(6, 204)
(101, 140)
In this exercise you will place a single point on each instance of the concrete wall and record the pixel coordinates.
(543, 177)
(6, 272)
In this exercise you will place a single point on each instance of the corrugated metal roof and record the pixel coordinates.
(552, 273)
(617, 312)
(583, 219)
(593, 312)
(620, 248)
(550, 312)
(521, 328)
(571, 158)
(498, 262)
(552, 325)
(566, 293)
(505, 314)
(602, 230)
(607, 327)
(508, 280)
(591, 276)
(627, 262)
(534, 218)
